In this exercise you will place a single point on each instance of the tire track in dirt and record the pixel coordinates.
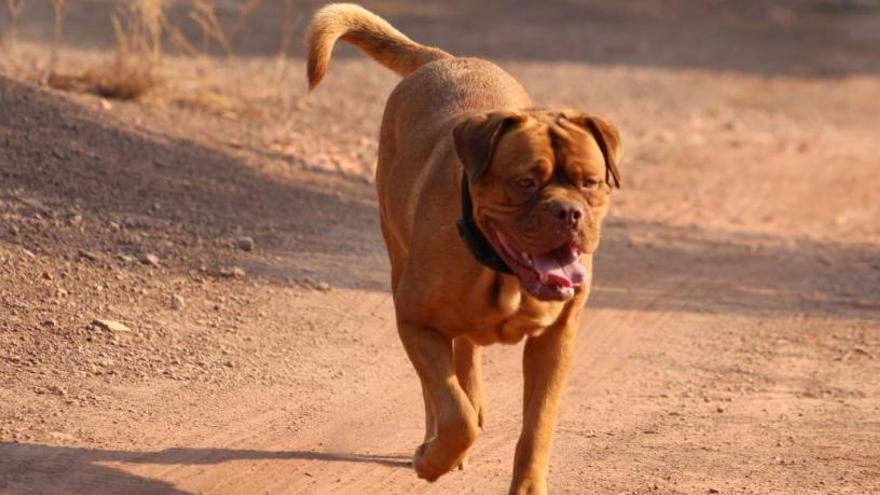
(361, 440)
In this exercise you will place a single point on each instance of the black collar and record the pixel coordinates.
(473, 238)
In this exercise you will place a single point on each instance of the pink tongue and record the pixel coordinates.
(562, 267)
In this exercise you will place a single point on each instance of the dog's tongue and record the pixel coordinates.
(561, 267)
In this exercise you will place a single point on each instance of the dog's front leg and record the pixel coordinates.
(455, 420)
(546, 361)
(468, 368)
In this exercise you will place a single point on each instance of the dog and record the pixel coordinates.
(491, 210)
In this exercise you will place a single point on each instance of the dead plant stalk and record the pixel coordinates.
(58, 8)
(15, 7)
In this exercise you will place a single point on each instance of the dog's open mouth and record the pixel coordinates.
(552, 275)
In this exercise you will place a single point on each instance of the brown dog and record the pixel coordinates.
(491, 210)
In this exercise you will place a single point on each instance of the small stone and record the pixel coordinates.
(89, 255)
(719, 409)
(47, 275)
(149, 259)
(50, 323)
(57, 390)
(229, 364)
(61, 436)
(232, 272)
(177, 302)
(126, 258)
(323, 287)
(713, 490)
(245, 244)
(863, 351)
(111, 326)
(75, 219)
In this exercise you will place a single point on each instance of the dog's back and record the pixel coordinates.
(419, 113)
(436, 84)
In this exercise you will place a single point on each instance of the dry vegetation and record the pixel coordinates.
(144, 33)
(15, 8)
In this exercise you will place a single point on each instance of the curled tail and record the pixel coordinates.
(367, 31)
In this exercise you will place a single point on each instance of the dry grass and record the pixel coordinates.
(144, 35)
(14, 8)
(140, 29)
(137, 55)
(9, 53)
(204, 14)
(58, 9)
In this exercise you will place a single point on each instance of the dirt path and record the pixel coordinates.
(731, 345)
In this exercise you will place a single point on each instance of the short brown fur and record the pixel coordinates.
(454, 119)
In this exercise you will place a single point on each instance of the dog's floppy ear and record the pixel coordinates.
(608, 138)
(476, 137)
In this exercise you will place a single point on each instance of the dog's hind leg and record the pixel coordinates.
(455, 418)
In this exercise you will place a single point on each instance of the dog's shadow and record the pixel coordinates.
(46, 469)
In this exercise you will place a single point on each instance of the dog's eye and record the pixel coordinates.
(526, 183)
(590, 184)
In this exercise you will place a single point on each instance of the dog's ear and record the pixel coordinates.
(476, 137)
(608, 138)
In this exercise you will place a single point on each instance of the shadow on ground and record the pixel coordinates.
(733, 272)
(190, 200)
(82, 472)
(186, 202)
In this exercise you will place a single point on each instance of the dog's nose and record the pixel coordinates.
(569, 215)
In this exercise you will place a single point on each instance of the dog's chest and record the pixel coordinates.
(525, 325)
(526, 318)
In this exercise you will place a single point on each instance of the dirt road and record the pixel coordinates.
(731, 345)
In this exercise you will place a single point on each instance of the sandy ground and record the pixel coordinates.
(731, 345)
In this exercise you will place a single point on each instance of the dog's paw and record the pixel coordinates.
(424, 469)
(528, 486)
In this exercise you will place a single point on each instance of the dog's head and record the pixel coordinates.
(540, 183)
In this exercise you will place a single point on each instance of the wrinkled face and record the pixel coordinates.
(543, 193)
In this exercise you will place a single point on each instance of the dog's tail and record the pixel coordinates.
(367, 31)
